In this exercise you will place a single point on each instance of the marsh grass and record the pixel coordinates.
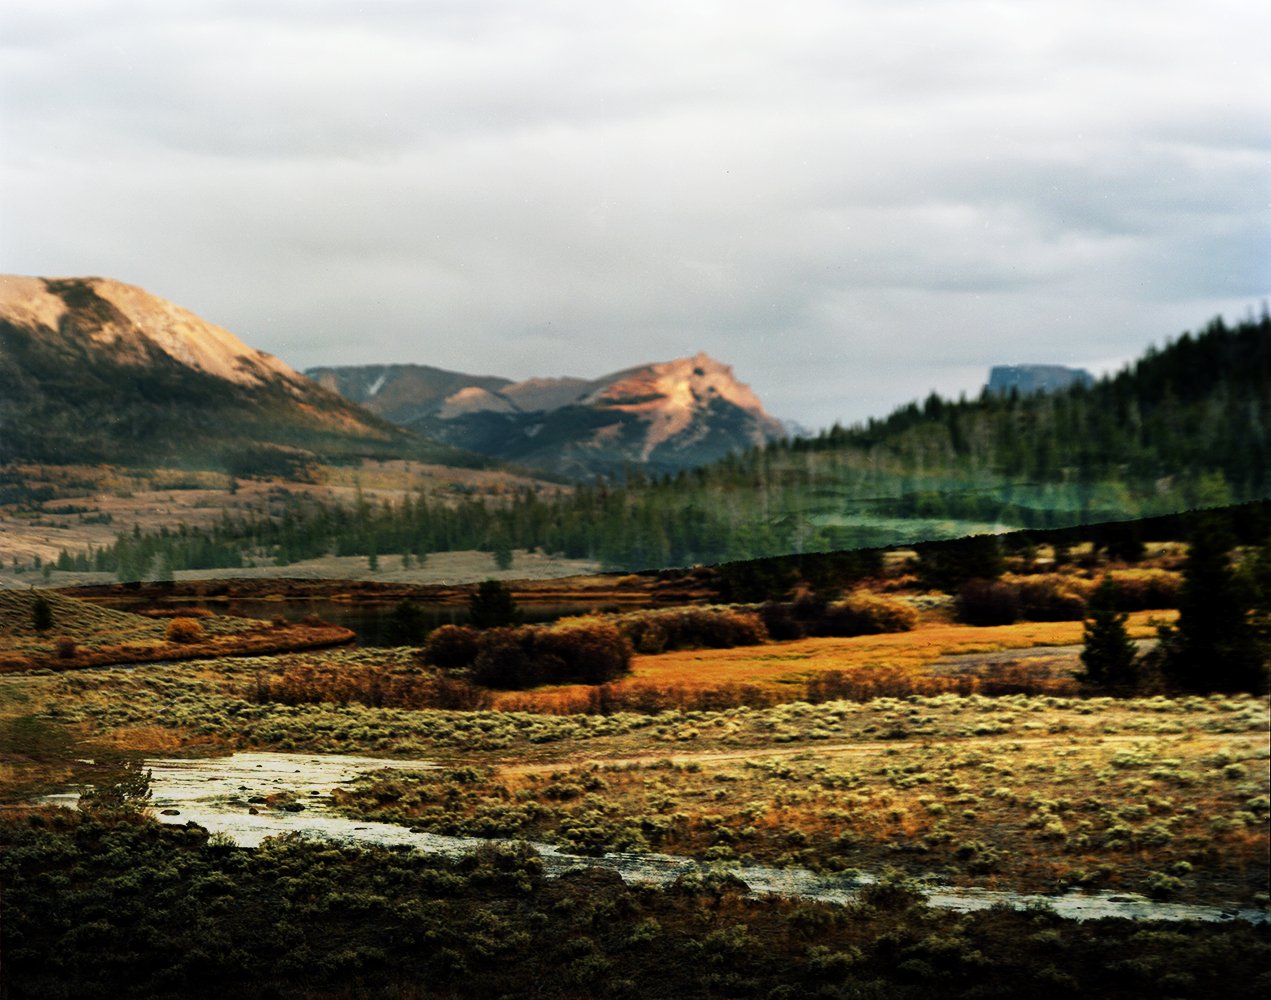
(1179, 817)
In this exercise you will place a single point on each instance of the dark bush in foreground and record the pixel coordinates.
(95, 909)
(863, 613)
(860, 613)
(1049, 597)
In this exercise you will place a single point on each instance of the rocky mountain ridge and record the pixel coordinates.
(661, 417)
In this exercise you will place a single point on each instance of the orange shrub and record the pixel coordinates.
(658, 630)
(864, 613)
(184, 630)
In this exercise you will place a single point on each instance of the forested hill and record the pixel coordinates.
(1198, 406)
(1188, 425)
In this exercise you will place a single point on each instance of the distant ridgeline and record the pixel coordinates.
(1027, 379)
(1186, 426)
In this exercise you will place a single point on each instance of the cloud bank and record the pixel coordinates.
(852, 202)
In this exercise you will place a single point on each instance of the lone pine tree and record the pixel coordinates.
(41, 615)
(1109, 656)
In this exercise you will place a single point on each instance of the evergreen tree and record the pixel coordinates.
(41, 614)
(407, 625)
(163, 572)
(491, 606)
(1109, 656)
(502, 551)
(1215, 645)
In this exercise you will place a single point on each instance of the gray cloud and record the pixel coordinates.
(852, 202)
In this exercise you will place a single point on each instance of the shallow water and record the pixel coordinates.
(371, 622)
(216, 793)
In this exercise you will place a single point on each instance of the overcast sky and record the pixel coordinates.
(853, 202)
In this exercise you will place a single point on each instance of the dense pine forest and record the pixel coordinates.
(1185, 426)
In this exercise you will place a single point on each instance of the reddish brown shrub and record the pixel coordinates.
(374, 686)
(576, 651)
(1051, 597)
(864, 613)
(184, 630)
(1146, 589)
(451, 646)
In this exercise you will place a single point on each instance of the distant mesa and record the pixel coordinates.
(662, 417)
(1028, 379)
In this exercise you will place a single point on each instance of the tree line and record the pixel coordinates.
(1186, 426)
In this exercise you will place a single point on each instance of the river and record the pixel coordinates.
(226, 795)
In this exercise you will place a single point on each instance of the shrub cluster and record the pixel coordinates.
(1053, 597)
(573, 651)
(374, 686)
(1045, 597)
(659, 630)
(1146, 589)
(860, 613)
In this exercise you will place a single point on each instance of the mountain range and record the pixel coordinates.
(95, 370)
(659, 417)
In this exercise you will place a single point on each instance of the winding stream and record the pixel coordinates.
(227, 795)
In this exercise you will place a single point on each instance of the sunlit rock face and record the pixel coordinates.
(92, 369)
(658, 418)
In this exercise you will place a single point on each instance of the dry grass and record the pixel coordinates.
(1178, 816)
(889, 664)
(84, 634)
(169, 498)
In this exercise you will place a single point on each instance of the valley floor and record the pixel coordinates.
(925, 768)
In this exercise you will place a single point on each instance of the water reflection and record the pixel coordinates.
(371, 623)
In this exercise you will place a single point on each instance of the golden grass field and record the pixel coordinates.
(781, 671)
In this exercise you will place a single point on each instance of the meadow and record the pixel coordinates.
(876, 734)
